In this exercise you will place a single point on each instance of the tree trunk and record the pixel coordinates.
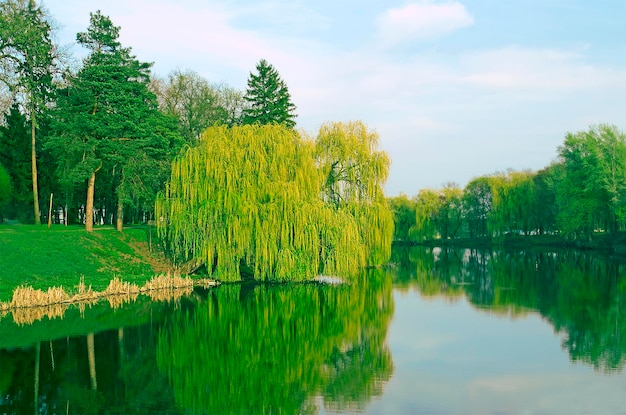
(89, 203)
(91, 186)
(91, 356)
(119, 223)
(34, 168)
(36, 379)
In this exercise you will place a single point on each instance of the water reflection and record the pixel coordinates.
(280, 349)
(232, 349)
(582, 296)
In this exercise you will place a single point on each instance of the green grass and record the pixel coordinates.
(40, 257)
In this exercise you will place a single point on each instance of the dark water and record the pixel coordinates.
(443, 332)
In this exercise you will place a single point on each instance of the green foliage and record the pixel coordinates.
(268, 98)
(61, 255)
(580, 295)
(15, 157)
(438, 213)
(403, 210)
(354, 172)
(427, 208)
(27, 63)
(26, 52)
(251, 195)
(545, 206)
(512, 203)
(5, 190)
(477, 201)
(107, 120)
(592, 189)
(274, 349)
(196, 104)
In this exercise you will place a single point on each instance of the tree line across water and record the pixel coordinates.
(581, 193)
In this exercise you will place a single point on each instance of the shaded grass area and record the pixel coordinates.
(60, 256)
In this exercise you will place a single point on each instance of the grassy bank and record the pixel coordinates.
(61, 256)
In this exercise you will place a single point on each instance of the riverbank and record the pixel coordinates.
(73, 262)
(613, 244)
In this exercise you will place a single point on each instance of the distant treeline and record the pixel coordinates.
(581, 193)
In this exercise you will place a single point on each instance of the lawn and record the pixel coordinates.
(43, 257)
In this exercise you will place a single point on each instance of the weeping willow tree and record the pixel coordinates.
(354, 172)
(250, 196)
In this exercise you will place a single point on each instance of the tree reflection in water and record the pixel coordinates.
(232, 349)
(582, 296)
(280, 348)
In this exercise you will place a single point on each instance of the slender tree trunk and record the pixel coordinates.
(119, 223)
(34, 168)
(120, 342)
(36, 379)
(91, 186)
(91, 356)
(89, 204)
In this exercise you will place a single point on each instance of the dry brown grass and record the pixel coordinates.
(29, 305)
(168, 287)
(29, 297)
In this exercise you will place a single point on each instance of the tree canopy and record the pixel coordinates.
(107, 119)
(196, 103)
(250, 196)
(268, 98)
(27, 61)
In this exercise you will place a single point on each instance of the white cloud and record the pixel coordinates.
(516, 68)
(423, 19)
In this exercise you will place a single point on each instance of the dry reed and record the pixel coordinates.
(29, 305)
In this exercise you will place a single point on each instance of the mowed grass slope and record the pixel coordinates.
(42, 258)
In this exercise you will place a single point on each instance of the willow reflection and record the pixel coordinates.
(280, 349)
(582, 296)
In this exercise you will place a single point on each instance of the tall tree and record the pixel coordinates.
(108, 120)
(251, 195)
(354, 172)
(193, 101)
(15, 156)
(268, 98)
(427, 207)
(27, 59)
(592, 191)
(403, 210)
(477, 200)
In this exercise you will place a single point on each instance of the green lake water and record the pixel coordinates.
(436, 332)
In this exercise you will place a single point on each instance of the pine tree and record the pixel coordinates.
(107, 120)
(268, 98)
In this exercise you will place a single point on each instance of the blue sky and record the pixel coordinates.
(455, 89)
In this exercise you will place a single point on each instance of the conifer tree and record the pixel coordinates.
(268, 98)
(107, 119)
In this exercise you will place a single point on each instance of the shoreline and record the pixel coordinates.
(28, 305)
(602, 244)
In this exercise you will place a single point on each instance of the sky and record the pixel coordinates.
(454, 89)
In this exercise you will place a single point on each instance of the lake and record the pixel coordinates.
(438, 331)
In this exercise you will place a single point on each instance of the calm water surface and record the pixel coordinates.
(438, 332)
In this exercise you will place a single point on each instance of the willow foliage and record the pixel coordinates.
(251, 195)
(354, 172)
